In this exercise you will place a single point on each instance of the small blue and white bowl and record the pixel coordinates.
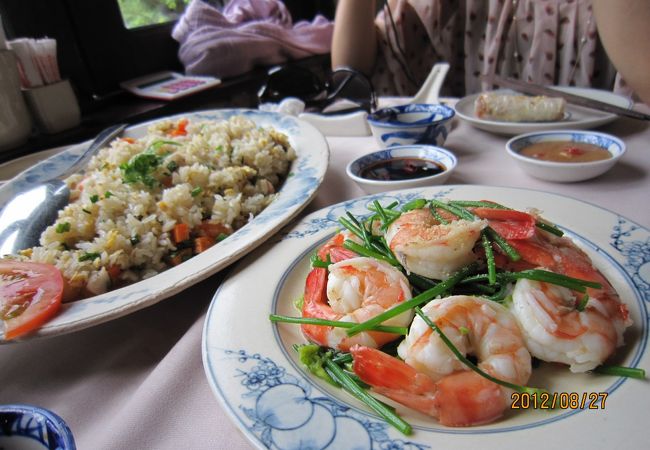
(411, 124)
(565, 172)
(27, 427)
(440, 156)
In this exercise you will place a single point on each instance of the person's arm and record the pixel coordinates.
(624, 29)
(354, 42)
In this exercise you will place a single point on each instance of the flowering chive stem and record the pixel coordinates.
(462, 358)
(620, 371)
(351, 227)
(415, 301)
(479, 204)
(340, 376)
(418, 203)
(489, 257)
(436, 215)
(363, 251)
(582, 304)
(380, 211)
(334, 323)
(459, 212)
(476, 204)
(495, 237)
(545, 276)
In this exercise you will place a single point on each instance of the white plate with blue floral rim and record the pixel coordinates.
(305, 176)
(254, 372)
(576, 117)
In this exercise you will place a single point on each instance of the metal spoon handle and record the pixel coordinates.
(102, 139)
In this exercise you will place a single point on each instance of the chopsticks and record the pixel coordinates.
(536, 89)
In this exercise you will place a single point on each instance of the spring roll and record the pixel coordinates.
(519, 108)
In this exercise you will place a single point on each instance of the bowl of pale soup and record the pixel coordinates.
(565, 156)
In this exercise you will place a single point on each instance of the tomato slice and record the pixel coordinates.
(30, 295)
(508, 223)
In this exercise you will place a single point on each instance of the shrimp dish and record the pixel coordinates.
(445, 307)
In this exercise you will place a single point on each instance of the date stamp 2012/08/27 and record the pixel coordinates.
(558, 400)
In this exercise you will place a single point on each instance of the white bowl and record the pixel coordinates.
(417, 123)
(427, 152)
(566, 172)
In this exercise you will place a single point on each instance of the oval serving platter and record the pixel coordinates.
(305, 176)
(254, 372)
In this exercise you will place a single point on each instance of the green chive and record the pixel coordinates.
(489, 257)
(509, 251)
(335, 323)
(86, 211)
(455, 210)
(63, 227)
(363, 251)
(108, 194)
(348, 384)
(436, 215)
(418, 203)
(582, 304)
(317, 262)
(196, 191)
(94, 198)
(89, 256)
(620, 371)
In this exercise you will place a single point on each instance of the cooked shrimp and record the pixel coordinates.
(356, 290)
(431, 249)
(334, 247)
(556, 331)
(432, 380)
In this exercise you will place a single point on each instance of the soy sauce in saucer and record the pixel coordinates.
(398, 169)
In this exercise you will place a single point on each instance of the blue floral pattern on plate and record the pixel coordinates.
(307, 173)
(267, 394)
(286, 412)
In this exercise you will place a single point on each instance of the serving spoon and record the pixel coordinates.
(24, 218)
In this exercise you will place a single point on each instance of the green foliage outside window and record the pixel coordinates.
(140, 13)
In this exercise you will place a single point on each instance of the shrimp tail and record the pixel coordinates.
(314, 305)
(395, 379)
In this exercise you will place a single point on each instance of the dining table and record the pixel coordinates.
(138, 382)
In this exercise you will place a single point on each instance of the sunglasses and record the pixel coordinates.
(317, 94)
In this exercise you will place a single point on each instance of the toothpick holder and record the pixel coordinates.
(54, 107)
(15, 121)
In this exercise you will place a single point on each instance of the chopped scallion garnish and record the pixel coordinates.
(63, 227)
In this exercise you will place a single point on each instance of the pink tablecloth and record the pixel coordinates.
(138, 382)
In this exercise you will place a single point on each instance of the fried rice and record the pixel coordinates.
(145, 204)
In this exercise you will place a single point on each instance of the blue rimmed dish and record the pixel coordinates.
(444, 160)
(411, 124)
(566, 172)
(31, 427)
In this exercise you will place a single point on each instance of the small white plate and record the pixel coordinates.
(306, 174)
(254, 372)
(577, 117)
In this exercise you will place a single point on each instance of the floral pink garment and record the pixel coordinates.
(480, 37)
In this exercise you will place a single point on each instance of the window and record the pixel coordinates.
(141, 13)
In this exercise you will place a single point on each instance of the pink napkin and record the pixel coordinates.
(245, 34)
